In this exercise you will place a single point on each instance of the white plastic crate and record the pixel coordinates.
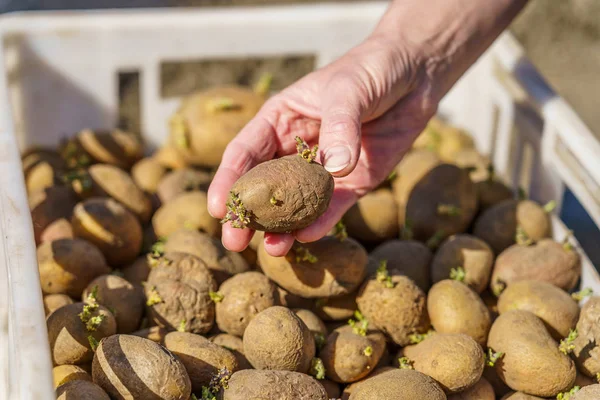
(59, 74)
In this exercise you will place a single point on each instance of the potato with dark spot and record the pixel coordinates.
(68, 332)
(468, 252)
(398, 384)
(348, 356)
(181, 181)
(453, 307)
(396, 306)
(42, 169)
(374, 217)
(491, 192)
(67, 266)
(123, 299)
(178, 293)
(277, 339)
(546, 261)
(201, 358)
(336, 308)
(482, 390)
(116, 147)
(53, 302)
(498, 225)
(50, 205)
(325, 268)
(111, 227)
(80, 390)
(137, 272)
(442, 203)
(244, 296)
(591, 392)
(587, 343)
(147, 173)
(186, 211)
(164, 378)
(235, 345)
(532, 362)
(222, 262)
(552, 305)
(62, 374)
(154, 333)
(253, 384)
(404, 257)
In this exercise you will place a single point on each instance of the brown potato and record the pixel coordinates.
(491, 192)
(277, 339)
(471, 159)
(68, 334)
(123, 299)
(325, 268)
(398, 384)
(53, 302)
(80, 390)
(62, 374)
(165, 378)
(552, 305)
(374, 217)
(413, 167)
(348, 356)
(497, 226)
(201, 358)
(404, 313)
(147, 173)
(67, 266)
(137, 272)
(519, 396)
(111, 227)
(312, 321)
(281, 195)
(235, 345)
(188, 210)
(244, 296)
(546, 261)
(352, 386)
(181, 181)
(178, 293)
(455, 308)
(59, 229)
(532, 362)
(154, 333)
(591, 392)
(117, 147)
(468, 252)
(169, 157)
(42, 169)
(482, 390)
(587, 350)
(336, 308)
(403, 257)
(453, 140)
(253, 384)
(332, 388)
(50, 205)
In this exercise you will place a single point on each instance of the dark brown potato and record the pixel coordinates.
(338, 267)
(244, 296)
(235, 345)
(374, 217)
(546, 261)
(482, 390)
(253, 384)
(591, 392)
(491, 192)
(147, 173)
(165, 378)
(117, 147)
(62, 374)
(468, 252)
(181, 181)
(80, 390)
(67, 266)
(49, 205)
(277, 339)
(497, 226)
(53, 302)
(445, 186)
(201, 358)
(111, 227)
(336, 308)
(404, 257)
(137, 272)
(587, 350)
(154, 333)
(42, 169)
(332, 388)
(349, 356)
(123, 299)
(178, 293)
(68, 334)
(186, 211)
(398, 384)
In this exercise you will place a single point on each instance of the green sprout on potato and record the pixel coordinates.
(179, 131)
(567, 395)
(236, 212)
(434, 241)
(222, 104)
(383, 276)
(317, 369)
(79, 179)
(522, 238)
(582, 294)
(274, 201)
(320, 340)
(368, 351)
(406, 233)
(207, 394)
(405, 363)
(182, 325)
(93, 323)
(220, 380)
(417, 338)
(86, 316)
(305, 151)
(549, 206)
(566, 345)
(216, 296)
(340, 232)
(498, 288)
(449, 210)
(458, 274)
(153, 297)
(492, 357)
(92, 297)
(392, 176)
(566, 244)
(193, 397)
(303, 254)
(157, 250)
(93, 342)
(359, 324)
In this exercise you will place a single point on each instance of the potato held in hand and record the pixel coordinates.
(281, 195)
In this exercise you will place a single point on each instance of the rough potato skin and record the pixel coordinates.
(154, 333)
(253, 384)
(222, 262)
(336, 308)
(492, 192)
(340, 267)
(398, 384)
(302, 190)
(591, 392)
(404, 257)
(130, 367)
(49, 205)
(405, 312)
(532, 362)
(244, 296)
(109, 226)
(552, 305)
(352, 386)
(201, 358)
(374, 217)
(277, 339)
(68, 335)
(186, 211)
(183, 283)
(120, 296)
(455, 308)
(62, 374)
(181, 181)
(455, 361)
(468, 252)
(587, 350)
(80, 390)
(482, 390)
(67, 265)
(545, 261)
(519, 396)
(53, 302)
(147, 173)
(343, 355)
(497, 226)
(235, 345)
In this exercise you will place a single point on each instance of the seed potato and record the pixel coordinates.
(399, 384)
(251, 384)
(235, 345)
(482, 390)
(587, 350)
(147, 173)
(180, 181)
(53, 302)
(62, 374)
(186, 211)
(80, 390)
(374, 217)
(50, 205)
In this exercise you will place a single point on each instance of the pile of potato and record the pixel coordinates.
(440, 284)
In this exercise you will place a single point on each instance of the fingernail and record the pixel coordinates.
(336, 158)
